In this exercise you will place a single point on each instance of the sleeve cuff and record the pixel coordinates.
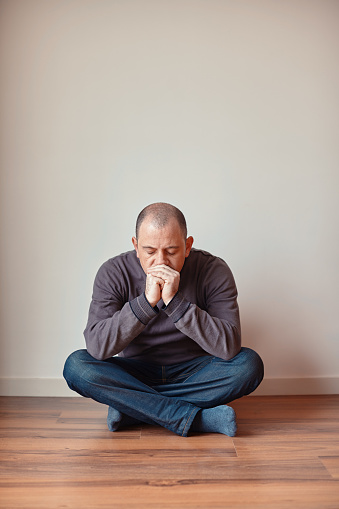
(142, 309)
(177, 307)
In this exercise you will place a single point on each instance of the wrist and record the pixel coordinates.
(142, 309)
(177, 307)
(167, 300)
(151, 302)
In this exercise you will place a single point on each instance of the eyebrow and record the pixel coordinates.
(168, 247)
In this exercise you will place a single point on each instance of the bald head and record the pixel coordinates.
(159, 215)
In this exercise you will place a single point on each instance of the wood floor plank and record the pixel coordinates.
(152, 465)
(97, 446)
(332, 465)
(169, 495)
(285, 408)
(284, 448)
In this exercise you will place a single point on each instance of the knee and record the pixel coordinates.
(252, 366)
(74, 366)
(249, 368)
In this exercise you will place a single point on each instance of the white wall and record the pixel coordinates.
(227, 109)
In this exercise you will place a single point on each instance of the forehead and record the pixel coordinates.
(151, 234)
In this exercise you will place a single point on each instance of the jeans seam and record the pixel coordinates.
(199, 369)
(183, 431)
(189, 374)
(180, 378)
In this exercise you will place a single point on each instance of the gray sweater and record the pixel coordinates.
(201, 319)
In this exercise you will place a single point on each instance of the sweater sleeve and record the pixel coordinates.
(113, 321)
(215, 326)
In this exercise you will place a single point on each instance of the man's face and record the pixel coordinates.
(162, 246)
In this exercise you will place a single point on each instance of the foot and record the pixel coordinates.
(220, 419)
(116, 420)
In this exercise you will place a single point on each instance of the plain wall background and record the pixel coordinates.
(227, 109)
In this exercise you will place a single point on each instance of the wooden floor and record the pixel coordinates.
(58, 453)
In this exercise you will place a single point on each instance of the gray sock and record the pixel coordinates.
(117, 420)
(220, 419)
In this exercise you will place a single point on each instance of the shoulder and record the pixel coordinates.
(124, 259)
(127, 258)
(209, 271)
(201, 258)
(120, 266)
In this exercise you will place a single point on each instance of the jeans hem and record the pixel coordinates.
(189, 421)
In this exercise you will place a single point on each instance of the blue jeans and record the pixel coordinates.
(169, 396)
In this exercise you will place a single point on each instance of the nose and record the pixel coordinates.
(161, 259)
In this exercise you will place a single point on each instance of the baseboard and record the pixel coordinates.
(57, 387)
(54, 387)
(298, 386)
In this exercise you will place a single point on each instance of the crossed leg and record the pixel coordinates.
(192, 395)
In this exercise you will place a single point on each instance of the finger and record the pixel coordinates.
(163, 276)
(161, 267)
(155, 279)
(162, 270)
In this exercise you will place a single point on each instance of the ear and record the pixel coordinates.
(135, 244)
(189, 244)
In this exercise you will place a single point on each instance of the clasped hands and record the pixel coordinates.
(162, 282)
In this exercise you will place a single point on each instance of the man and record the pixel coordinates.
(163, 334)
